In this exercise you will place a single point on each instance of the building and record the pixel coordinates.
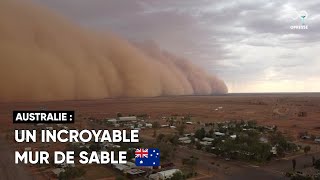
(162, 175)
(233, 136)
(219, 134)
(207, 139)
(274, 150)
(263, 140)
(132, 173)
(128, 118)
(112, 121)
(184, 140)
(205, 143)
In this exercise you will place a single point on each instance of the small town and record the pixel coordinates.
(183, 143)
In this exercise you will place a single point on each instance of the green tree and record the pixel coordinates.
(200, 133)
(294, 163)
(95, 147)
(167, 151)
(155, 125)
(154, 133)
(119, 114)
(160, 137)
(71, 173)
(190, 163)
(210, 133)
(174, 140)
(306, 149)
(317, 164)
(177, 176)
(181, 128)
(120, 178)
(313, 160)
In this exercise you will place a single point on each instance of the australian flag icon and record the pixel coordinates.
(147, 157)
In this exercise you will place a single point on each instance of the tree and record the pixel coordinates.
(167, 151)
(155, 125)
(181, 128)
(95, 147)
(306, 149)
(171, 121)
(275, 128)
(154, 133)
(174, 140)
(317, 164)
(198, 145)
(71, 173)
(177, 176)
(294, 164)
(200, 133)
(160, 137)
(119, 114)
(120, 178)
(210, 133)
(190, 162)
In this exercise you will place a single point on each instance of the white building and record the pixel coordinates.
(233, 136)
(112, 120)
(274, 150)
(205, 143)
(164, 125)
(162, 175)
(184, 140)
(219, 134)
(128, 118)
(208, 139)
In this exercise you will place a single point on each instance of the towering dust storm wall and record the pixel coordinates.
(44, 57)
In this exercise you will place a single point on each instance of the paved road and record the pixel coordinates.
(9, 170)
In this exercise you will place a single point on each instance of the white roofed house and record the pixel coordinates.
(162, 175)
(263, 140)
(128, 118)
(112, 121)
(205, 143)
(149, 125)
(184, 140)
(208, 139)
(219, 134)
(233, 136)
(274, 150)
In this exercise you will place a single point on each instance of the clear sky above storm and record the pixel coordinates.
(247, 43)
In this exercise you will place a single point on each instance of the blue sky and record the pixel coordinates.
(249, 44)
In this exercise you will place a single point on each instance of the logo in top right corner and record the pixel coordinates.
(301, 16)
